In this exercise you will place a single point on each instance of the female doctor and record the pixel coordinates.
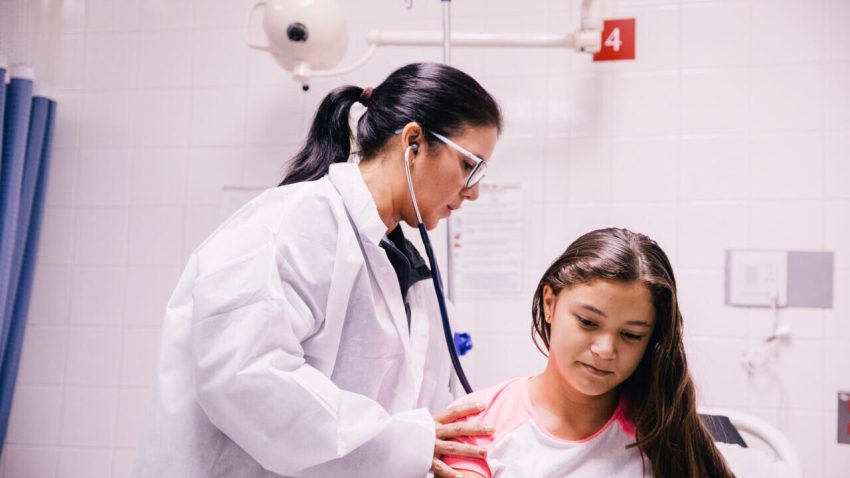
(300, 340)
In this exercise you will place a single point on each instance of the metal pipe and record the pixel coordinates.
(447, 32)
(522, 40)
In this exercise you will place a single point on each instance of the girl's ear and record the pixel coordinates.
(548, 303)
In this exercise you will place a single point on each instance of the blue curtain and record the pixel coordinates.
(27, 131)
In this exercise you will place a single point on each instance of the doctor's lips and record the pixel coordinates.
(595, 371)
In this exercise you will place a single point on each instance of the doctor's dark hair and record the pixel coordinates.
(438, 97)
(660, 394)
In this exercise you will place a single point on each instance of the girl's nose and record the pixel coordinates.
(603, 347)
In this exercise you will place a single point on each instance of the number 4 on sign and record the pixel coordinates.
(618, 40)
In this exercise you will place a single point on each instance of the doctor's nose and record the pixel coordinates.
(470, 194)
(603, 347)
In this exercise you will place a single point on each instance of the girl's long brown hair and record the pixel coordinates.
(660, 393)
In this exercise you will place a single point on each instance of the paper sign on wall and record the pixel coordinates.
(618, 40)
(486, 242)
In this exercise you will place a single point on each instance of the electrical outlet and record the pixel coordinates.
(844, 417)
(757, 278)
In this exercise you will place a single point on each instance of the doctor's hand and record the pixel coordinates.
(448, 427)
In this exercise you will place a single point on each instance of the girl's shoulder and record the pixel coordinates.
(505, 404)
(621, 418)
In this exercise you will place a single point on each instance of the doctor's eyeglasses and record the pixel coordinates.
(479, 166)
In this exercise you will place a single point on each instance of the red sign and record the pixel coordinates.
(618, 40)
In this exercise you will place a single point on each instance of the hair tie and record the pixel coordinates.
(366, 96)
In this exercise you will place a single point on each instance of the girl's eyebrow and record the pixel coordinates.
(592, 309)
(595, 310)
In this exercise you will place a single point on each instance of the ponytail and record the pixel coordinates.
(440, 98)
(329, 139)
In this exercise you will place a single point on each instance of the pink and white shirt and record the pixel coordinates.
(521, 447)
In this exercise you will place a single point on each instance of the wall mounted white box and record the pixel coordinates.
(758, 278)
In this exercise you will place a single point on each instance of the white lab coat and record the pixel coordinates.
(285, 348)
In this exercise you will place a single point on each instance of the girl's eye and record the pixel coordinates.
(629, 336)
(585, 323)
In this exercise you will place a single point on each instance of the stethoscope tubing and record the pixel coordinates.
(435, 277)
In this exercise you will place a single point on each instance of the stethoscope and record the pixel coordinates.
(435, 275)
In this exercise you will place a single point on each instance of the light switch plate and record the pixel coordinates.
(757, 278)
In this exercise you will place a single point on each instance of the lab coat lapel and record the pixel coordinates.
(361, 208)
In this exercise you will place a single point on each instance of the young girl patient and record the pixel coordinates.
(615, 398)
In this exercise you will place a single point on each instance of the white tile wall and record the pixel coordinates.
(703, 47)
(108, 15)
(112, 61)
(156, 234)
(730, 129)
(100, 236)
(159, 176)
(27, 461)
(707, 230)
(837, 233)
(63, 178)
(636, 93)
(836, 98)
(96, 295)
(219, 58)
(644, 170)
(785, 97)
(787, 166)
(132, 407)
(714, 168)
(835, 12)
(123, 463)
(70, 70)
(163, 118)
(67, 130)
(787, 225)
(106, 118)
(43, 355)
(220, 13)
(836, 324)
(146, 292)
(210, 170)
(36, 415)
(156, 15)
(218, 116)
(265, 167)
(89, 417)
(94, 356)
(836, 166)
(74, 16)
(85, 463)
(771, 22)
(104, 177)
(52, 287)
(165, 59)
(57, 245)
(715, 101)
(138, 366)
(201, 221)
